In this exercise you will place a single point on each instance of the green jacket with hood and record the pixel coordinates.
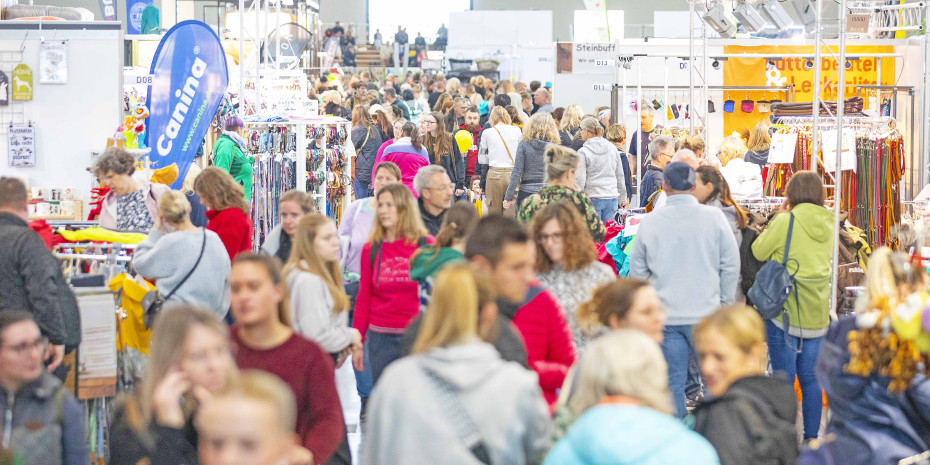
(228, 156)
(423, 269)
(812, 242)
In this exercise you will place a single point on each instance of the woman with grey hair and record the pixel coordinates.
(661, 151)
(624, 408)
(600, 170)
(129, 205)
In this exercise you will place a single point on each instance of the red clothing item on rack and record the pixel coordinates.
(234, 228)
(310, 374)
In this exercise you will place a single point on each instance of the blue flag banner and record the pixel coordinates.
(190, 79)
(134, 9)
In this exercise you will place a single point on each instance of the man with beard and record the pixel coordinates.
(471, 124)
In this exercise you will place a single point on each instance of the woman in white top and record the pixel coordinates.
(497, 151)
(319, 305)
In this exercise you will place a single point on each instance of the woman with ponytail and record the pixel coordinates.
(457, 224)
(408, 153)
(171, 252)
(319, 304)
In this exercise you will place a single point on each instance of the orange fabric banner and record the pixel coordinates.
(753, 72)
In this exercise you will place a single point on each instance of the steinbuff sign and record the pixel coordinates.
(190, 77)
(754, 72)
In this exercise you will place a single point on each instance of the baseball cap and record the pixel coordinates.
(679, 176)
(375, 108)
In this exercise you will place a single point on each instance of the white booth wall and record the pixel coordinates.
(520, 40)
(72, 120)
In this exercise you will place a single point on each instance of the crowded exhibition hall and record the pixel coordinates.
(465, 232)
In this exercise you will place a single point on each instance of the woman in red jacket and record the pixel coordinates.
(227, 210)
(263, 340)
(387, 298)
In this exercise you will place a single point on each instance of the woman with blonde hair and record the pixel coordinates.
(263, 339)
(227, 210)
(387, 299)
(495, 154)
(571, 120)
(189, 264)
(625, 407)
(318, 302)
(443, 105)
(759, 142)
(292, 206)
(566, 261)
(731, 346)
(189, 361)
(454, 374)
(731, 148)
(198, 210)
(697, 145)
(529, 164)
(561, 165)
(616, 134)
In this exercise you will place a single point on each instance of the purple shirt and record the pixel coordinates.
(356, 226)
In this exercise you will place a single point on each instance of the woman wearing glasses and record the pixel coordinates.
(566, 262)
(442, 149)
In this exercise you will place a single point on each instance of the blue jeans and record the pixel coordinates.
(382, 350)
(785, 357)
(678, 348)
(605, 208)
(360, 188)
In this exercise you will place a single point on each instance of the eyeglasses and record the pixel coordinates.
(554, 236)
(426, 121)
(449, 187)
(25, 347)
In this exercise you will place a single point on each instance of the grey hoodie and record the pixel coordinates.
(409, 424)
(600, 170)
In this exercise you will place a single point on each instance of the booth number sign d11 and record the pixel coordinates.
(21, 146)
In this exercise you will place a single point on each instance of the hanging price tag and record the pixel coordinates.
(848, 151)
(782, 148)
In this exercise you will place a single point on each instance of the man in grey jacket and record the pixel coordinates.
(688, 252)
(29, 273)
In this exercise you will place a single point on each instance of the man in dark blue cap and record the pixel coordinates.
(688, 252)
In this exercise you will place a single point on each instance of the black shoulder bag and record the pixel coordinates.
(774, 284)
(153, 301)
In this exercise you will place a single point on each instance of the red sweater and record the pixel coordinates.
(387, 298)
(234, 228)
(550, 348)
(309, 372)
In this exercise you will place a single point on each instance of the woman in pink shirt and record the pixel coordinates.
(387, 297)
(407, 152)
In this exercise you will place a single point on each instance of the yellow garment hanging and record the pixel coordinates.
(131, 331)
(102, 235)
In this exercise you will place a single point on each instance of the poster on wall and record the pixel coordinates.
(53, 62)
(190, 77)
(21, 146)
(134, 9)
(4, 89)
(585, 58)
(22, 82)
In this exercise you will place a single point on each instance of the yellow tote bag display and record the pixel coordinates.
(132, 337)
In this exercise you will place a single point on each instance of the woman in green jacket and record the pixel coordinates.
(229, 155)
(793, 348)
